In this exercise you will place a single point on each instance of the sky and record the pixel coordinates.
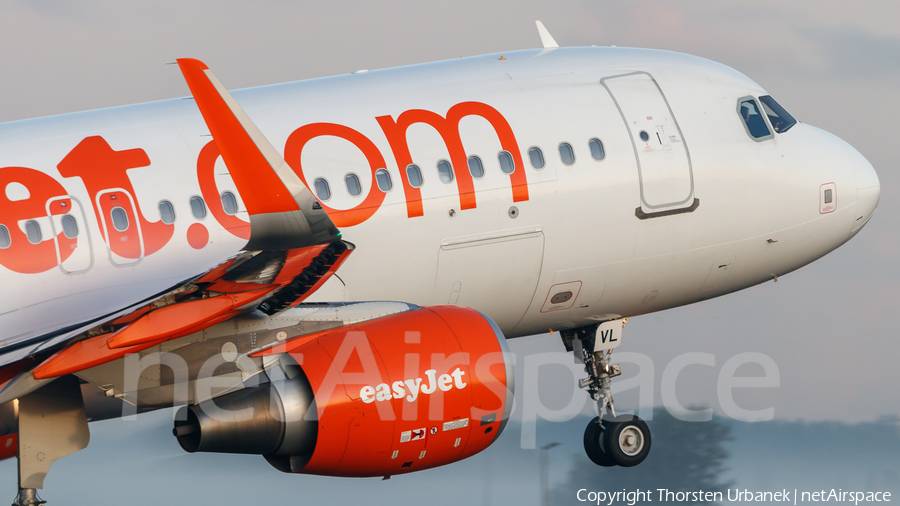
(829, 327)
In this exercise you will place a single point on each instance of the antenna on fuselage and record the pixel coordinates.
(546, 39)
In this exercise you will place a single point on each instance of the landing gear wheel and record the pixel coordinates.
(593, 443)
(626, 440)
(608, 440)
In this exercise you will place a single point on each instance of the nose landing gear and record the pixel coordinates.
(609, 440)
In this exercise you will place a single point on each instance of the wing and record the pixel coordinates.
(294, 247)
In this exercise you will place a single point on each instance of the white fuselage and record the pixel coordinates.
(757, 206)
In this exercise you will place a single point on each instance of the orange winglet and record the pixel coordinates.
(165, 322)
(261, 188)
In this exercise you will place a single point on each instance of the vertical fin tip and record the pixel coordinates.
(546, 39)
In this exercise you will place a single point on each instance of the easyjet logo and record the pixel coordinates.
(395, 130)
(105, 173)
(411, 387)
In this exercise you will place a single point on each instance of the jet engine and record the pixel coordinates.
(391, 395)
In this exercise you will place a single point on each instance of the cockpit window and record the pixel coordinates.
(780, 119)
(753, 119)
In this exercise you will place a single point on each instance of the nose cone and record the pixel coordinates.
(868, 191)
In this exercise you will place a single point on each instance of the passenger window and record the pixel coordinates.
(354, 188)
(166, 212)
(597, 151)
(537, 157)
(383, 178)
(781, 120)
(476, 168)
(69, 226)
(753, 120)
(566, 154)
(229, 203)
(119, 219)
(507, 165)
(445, 171)
(198, 208)
(414, 175)
(5, 240)
(323, 192)
(33, 231)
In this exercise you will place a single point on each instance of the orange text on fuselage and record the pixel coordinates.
(103, 172)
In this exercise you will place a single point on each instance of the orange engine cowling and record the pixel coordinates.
(391, 395)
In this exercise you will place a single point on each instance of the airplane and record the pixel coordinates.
(325, 272)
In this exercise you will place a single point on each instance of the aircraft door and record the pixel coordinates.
(120, 227)
(74, 250)
(663, 158)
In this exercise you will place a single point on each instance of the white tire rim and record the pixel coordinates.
(631, 440)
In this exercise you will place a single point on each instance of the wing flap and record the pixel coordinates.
(190, 308)
(167, 321)
(84, 355)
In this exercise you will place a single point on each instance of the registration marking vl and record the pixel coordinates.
(609, 335)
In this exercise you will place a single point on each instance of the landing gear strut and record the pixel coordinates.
(609, 440)
(52, 424)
